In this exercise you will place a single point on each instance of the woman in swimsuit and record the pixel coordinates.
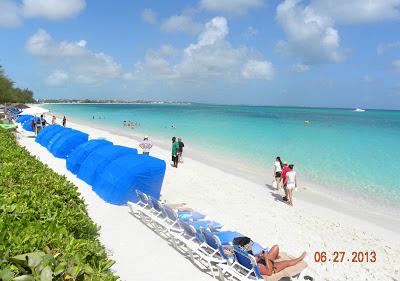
(278, 171)
(267, 264)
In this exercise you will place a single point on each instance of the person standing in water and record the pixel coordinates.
(180, 150)
(175, 147)
(64, 122)
(291, 183)
(278, 171)
(146, 145)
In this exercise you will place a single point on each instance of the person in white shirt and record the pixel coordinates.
(146, 145)
(291, 183)
(278, 171)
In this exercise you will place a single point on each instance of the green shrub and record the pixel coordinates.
(45, 231)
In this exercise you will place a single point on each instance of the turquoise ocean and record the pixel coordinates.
(341, 149)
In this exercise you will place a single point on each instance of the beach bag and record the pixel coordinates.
(243, 243)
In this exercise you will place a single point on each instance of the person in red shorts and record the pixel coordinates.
(284, 171)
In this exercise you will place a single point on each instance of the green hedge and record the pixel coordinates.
(45, 231)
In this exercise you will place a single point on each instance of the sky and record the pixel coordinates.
(324, 53)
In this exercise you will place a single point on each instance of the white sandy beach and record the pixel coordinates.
(240, 205)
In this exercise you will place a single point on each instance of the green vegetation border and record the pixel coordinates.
(45, 230)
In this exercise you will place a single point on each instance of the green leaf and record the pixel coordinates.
(88, 269)
(6, 275)
(24, 278)
(28, 259)
(46, 274)
(107, 265)
(60, 268)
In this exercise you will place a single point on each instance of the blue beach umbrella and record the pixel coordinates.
(81, 152)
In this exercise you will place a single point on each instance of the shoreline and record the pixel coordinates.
(249, 208)
(310, 192)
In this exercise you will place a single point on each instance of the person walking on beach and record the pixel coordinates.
(43, 120)
(291, 183)
(284, 172)
(38, 124)
(146, 145)
(180, 150)
(64, 122)
(277, 171)
(53, 120)
(33, 124)
(175, 147)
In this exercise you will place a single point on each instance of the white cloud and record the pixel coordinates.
(149, 16)
(181, 23)
(10, 15)
(234, 7)
(154, 67)
(52, 9)
(358, 11)
(58, 77)
(262, 70)
(79, 63)
(300, 67)
(168, 50)
(310, 35)
(396, 65)
(210, 57)
(384, 47)
(42, 44)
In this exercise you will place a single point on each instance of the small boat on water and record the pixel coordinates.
(359, 110)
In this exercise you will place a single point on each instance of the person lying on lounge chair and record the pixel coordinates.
(266, 261)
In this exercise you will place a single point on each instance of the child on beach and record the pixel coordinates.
(277, 171)
(291, 183)
(64, 121)
(53, 120)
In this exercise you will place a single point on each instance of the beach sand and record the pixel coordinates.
(240, 204)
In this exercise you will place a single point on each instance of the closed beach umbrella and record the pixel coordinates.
(81, 152)
(45, 134)
(67, 142)
(98, 159)
(117, 182)
(27, 124)
(23, 118)
(53, 140)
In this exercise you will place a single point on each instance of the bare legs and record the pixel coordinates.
(277, 266)
(176, 161)
(278, 181)
(286, 191)
(290, 196)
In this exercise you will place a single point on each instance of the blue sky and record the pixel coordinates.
(302, 53)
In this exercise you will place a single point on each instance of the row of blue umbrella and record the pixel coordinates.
(113, 171)
(26, 122)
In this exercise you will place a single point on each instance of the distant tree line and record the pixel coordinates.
(11, 94)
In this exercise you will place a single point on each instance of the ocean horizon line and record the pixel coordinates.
(100, 102)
